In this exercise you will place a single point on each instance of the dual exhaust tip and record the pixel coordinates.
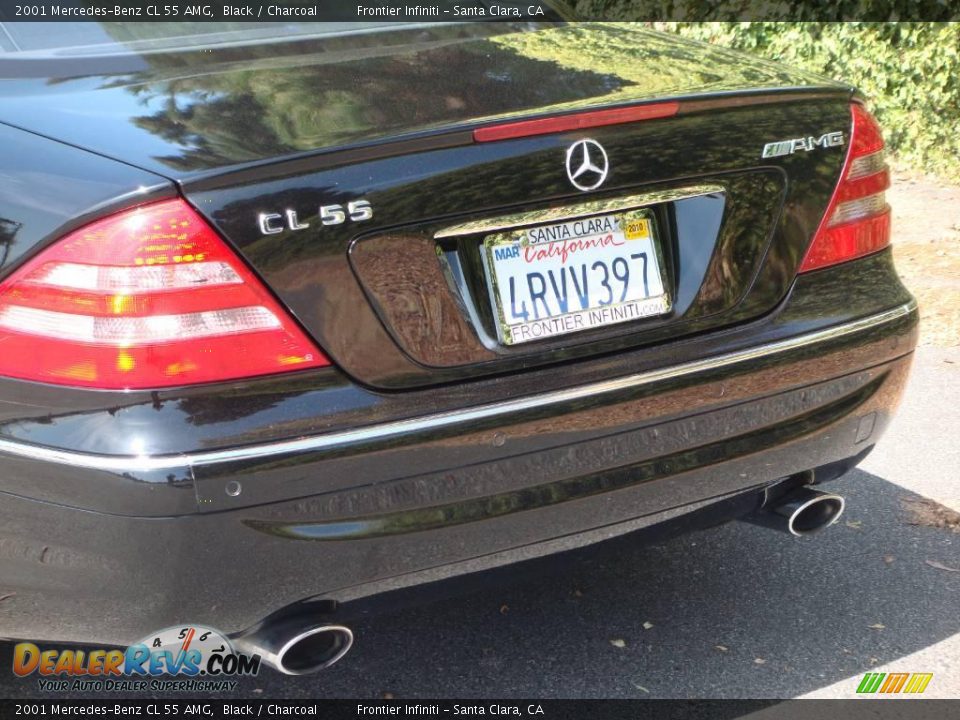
(300, 644)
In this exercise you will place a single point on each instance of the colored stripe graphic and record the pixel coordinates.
(892, 683)
(918, 682)
(870, 682)
(862, 687)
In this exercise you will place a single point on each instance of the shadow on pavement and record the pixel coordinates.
(734, 611)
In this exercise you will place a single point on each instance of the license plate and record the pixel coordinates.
(587, 273)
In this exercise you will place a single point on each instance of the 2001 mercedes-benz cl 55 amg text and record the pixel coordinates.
(291, 316)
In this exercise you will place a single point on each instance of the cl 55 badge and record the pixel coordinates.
(355, 210)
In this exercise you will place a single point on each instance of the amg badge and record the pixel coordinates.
(788, 147)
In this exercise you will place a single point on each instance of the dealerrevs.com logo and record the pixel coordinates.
(185, 659)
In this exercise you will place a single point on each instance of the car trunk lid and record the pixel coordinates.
(199, 109)
(404, 298)
(362, 179)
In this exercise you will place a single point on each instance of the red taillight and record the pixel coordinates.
(575, 121)
(857, 220)
(147, 298)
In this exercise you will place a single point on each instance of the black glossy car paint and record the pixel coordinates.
(235, 107)
(50, 188)
(359, 517)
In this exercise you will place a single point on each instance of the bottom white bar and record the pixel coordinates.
(586, 319)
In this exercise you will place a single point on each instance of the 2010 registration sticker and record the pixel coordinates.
(585, 273)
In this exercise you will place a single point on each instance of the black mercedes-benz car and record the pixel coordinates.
(294, 315)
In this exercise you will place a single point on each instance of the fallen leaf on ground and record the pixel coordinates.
(721, 648)
(888, 559)
(877, 626)
(647, 625)
(759, 661)
(618, 642)
(941, 566)
(504, 609)
(639, 687)
(387, 696)
(855, 524)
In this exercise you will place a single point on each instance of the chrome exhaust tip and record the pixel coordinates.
(811, 511)
(314, 649)
(800, 512)
(298, 649)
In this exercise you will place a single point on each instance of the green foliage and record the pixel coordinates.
(909, 73)
(794, 10)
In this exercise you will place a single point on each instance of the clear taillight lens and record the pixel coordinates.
(151, 297)
(857, 220)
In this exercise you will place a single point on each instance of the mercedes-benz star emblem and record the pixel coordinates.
(587, 164)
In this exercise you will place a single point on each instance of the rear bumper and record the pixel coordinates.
(440, 495)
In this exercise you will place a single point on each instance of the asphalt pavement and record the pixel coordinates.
(736, 611)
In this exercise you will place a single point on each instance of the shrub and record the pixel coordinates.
(909, 72)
